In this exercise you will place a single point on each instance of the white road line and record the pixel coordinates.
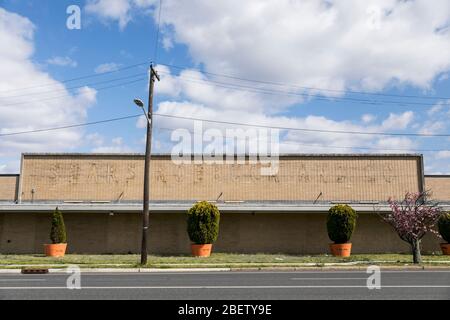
(151, 274)
(14, 280)
(224, 287)
(165, 273)
(328, 279)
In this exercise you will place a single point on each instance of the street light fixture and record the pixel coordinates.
(140, 104)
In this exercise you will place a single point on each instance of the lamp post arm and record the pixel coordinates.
(146, 116)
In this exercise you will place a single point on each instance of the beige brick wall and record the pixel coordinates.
(97, 177)
(8, 187)
(439, 187)
(296, 233)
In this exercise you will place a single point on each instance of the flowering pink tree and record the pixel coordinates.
(412, 218)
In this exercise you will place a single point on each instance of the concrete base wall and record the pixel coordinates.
(294, 233)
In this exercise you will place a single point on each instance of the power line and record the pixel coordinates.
(206, 82)
(274, 127)
(67, 95)
(155, 54)
(323, 146)
(69, 126)
(253, 89)
(305, 129)
(249, 88)
(171, 129)
(75, 87)
(298, 86)
(224, 76)
(78, 78)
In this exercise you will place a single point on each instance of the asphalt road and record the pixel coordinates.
(230, 285)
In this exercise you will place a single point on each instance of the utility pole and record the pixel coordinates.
(148, 150)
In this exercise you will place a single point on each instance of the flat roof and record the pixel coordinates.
(180, 207)
(75, 154)
(437, 176)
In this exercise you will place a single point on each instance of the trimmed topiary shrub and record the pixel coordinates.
(58, 231)
(203, 223)
(444, 226)
(341, 223)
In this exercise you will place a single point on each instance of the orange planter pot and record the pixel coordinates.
(341, 249)
(201, 250)
(445, 247)
(55, 250)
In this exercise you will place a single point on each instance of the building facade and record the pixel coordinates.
(101, 198)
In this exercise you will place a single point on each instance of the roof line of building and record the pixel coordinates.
(184, 207)
(180, 207)
(280, 155)
(437, 176)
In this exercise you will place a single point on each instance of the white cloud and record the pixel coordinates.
(107, 67)
(320, 44)
(440, 106)
(368, 118)
(435, 109)
(196, 87)
(437, 118)
(292, 141)
(116, 10)
(368, 45)
(398, 121)
(141, 122)
(116, 145)
(432, 127)
(110, 9)
(62, 62)
(145, 3)
(167, 43)
(196, 100)
(445, 154)
(94, 139)
(437, 162)
(328, 45)
(16, 111)
(443, 77)
(337, 45)
(393, 144)
(87, 95)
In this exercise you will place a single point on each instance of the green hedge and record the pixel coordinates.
(58, 231)
(444, 226)
(203, 223)
(341, 223)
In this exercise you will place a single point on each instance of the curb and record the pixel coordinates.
(142, 270)
(10, 271)
(243, 269)
(347, 268)
(126, 270)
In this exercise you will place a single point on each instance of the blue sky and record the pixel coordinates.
(324, 49)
